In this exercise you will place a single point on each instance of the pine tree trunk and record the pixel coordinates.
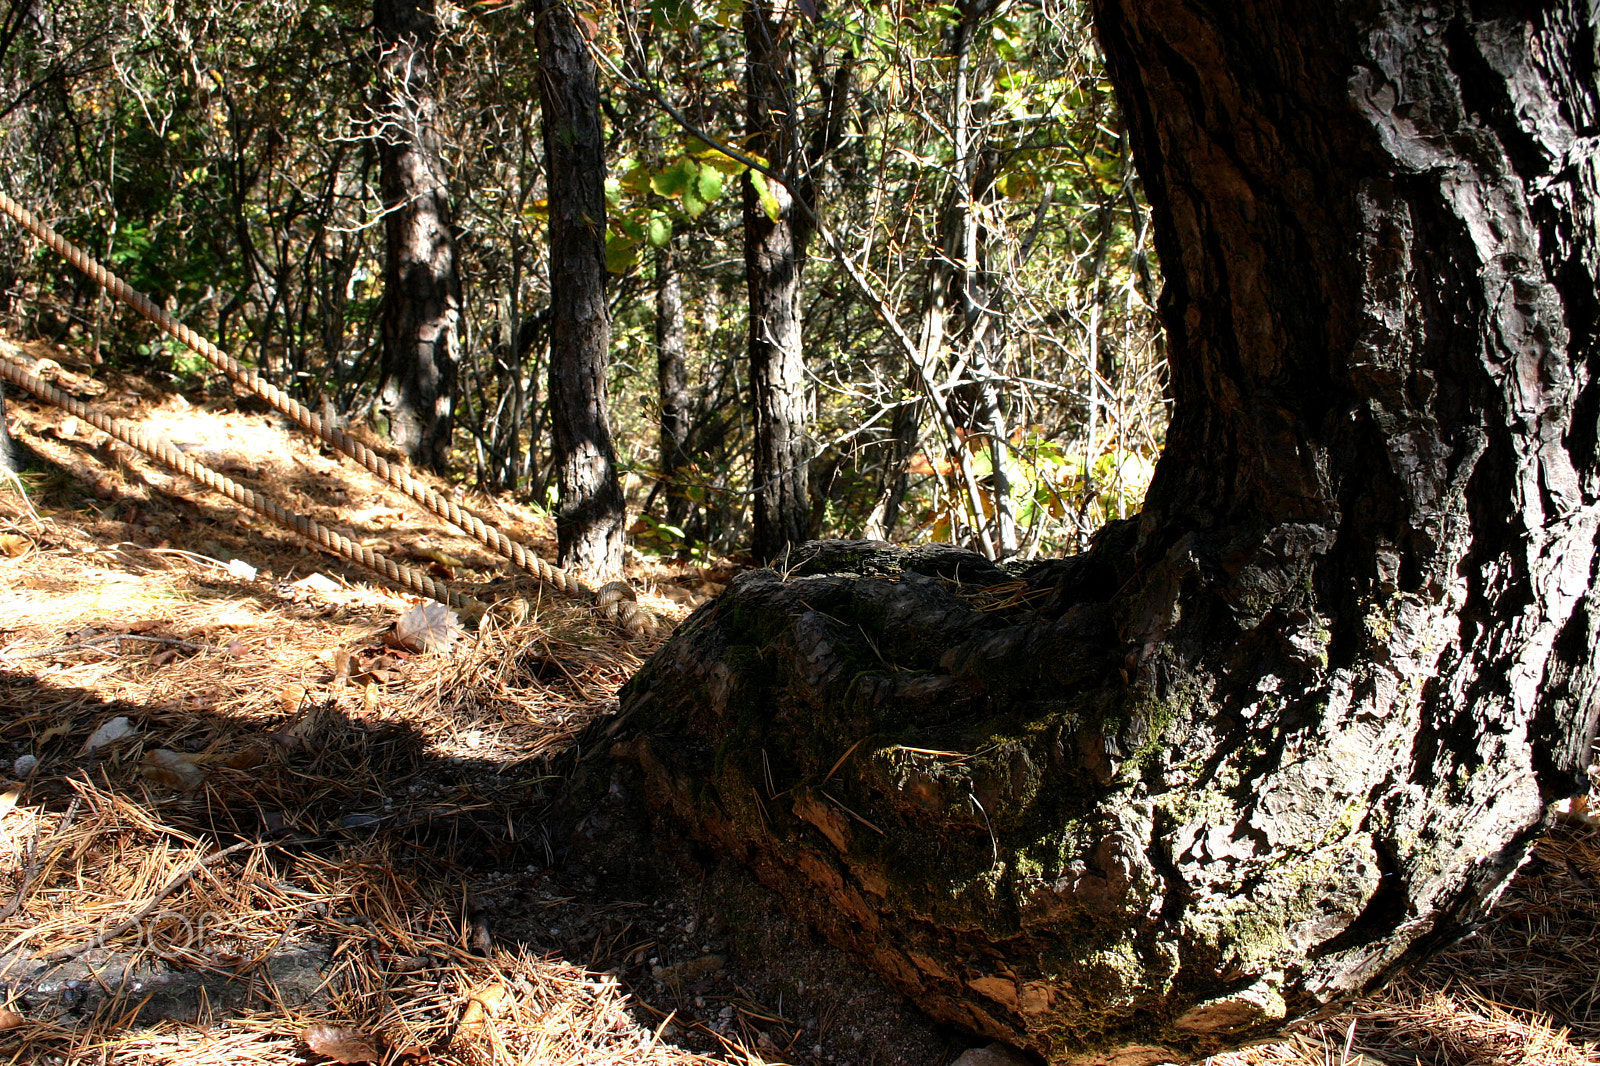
(672, 381)
(774, 255)
(422, 284)
(589, 521)
(1298, 722)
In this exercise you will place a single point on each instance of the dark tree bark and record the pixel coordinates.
(422, 283)
(1298, 722)
(672, 381)
(774, 256)
(589, 521)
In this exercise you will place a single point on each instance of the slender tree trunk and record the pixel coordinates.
(672, 380)
(589, 521)
(774, 254)
(1299, 721)
(12, 457)
(422, 283)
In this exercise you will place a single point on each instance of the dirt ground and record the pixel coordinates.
(240, 822)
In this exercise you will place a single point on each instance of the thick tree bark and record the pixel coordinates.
(672, 381)
(589, 521)
(774, 256)
(422, 283)
(1300, 720)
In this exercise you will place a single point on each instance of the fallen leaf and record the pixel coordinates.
(441, 557)
(340, 1044)
(113, 732)
(9, 1019)
(8, 800)
(482, 1005)
(427, 627)
(60, 729)
(14, 544)
(291, 697)
(172, 770)
(248, 759)
(317, 583)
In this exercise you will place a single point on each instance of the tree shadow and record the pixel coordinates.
(402, 868)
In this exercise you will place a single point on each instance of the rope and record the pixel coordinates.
(633, 617)
(165, 452)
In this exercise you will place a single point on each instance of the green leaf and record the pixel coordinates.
(722, 163)
(630, 225)
(693, 206)
(636, 178)
(677, 179)
(622, 253)
(659, 231)
(769, 202)
(709, 185)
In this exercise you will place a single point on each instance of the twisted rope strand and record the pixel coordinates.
(562, 580)
(615, 601)
(165, 452)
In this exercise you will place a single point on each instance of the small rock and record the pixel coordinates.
(994, 1055)
(113, 732)
(25, 765)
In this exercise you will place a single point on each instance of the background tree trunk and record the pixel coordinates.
(1301, 718)
(774, 254)
(589, 521)
(672, 380)
(422, 286)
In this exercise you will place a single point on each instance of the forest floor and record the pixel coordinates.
(238, 824)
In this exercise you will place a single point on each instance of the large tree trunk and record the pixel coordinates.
(589, 520)
(422, 285)
(774, 254)
(1301, 719)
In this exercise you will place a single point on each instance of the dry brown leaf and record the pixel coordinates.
(291, 697)
(14, 544)
(427, 627)
(171, 770)
(341, 1044)
(443, 558)
(482, 1005)
(248, 759)
(9, 1019)
(60, 729)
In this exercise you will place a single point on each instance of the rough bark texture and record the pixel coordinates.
(672, 381)
(422, 285)
(1301, 719)
(589, 520)
(774, 253)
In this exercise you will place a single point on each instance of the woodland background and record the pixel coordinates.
(967, 158)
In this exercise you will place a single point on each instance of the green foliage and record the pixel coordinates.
(220, 156)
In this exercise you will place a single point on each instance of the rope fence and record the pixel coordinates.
(168, 454)
(616, 600)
